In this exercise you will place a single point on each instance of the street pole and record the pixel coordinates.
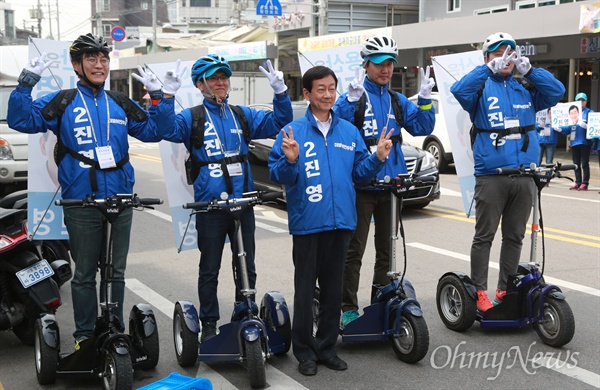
(323, 17)
(39, 18)
(99, 29)
(154, 43)
(57, 22)
(50, 22)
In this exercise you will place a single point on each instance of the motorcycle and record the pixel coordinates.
(30, 271)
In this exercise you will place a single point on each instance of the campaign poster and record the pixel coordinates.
(448, 70)
(593, 123)
(566, 114)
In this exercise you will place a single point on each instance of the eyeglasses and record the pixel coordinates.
(94, 60)
(214, 79)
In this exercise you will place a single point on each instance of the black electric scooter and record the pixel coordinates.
(108, 354)
(529, 300)
(252, 335)
(394, 313)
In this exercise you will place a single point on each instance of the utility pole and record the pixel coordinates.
(99, 29)
(154, 44)
(57, 21)
(39, 18)
(49, 22)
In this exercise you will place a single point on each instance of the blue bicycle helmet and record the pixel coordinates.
(207, 66)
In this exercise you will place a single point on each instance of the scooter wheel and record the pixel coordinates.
(455, 307)
(557, 325)
(186, 341)
(255, 360)
(118, 371)
(46, 357)
(412, 341)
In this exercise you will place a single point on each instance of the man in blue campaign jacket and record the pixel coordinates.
(547, 138)
(92, 131)
(222, 167)
(318, 160)
(504, 136)
(377, 110)
(580, 144)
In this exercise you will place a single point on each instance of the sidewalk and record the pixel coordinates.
(561, 155)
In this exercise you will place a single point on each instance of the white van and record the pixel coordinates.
(13, 145)
(438, 142)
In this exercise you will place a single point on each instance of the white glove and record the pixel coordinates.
(149, 80)
(557, 129)
(38, 65)
(173, 79)
(521, 63)
(427, 83)
(275, 78)
(499, 63)
(582, 124)
(355, 88)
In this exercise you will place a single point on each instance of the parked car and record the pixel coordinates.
(417, 161)
(13, 150)
(438, 142)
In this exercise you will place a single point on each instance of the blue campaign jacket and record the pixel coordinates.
(551, 139)
(319, 186)
(502, 98)
(580, 132)
(379, 112)
(223, 133)
(76, 133)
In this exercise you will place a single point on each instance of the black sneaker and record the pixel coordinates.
(209, 330)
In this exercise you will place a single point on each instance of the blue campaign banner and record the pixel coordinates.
(268, 8)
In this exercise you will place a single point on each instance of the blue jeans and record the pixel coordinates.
(213, 227)
(87, 237)
(548, 150)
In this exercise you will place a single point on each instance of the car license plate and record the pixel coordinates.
(34, 274)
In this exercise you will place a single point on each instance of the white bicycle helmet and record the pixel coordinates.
(495, 40)
(378, 49)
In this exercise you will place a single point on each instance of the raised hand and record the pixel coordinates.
(275, 78)
(173, 79)
(499, 63)
(427, 83)
(290, 147)
(149, 79)
(38, 65)
(356, 88)
(521, 63)
(384, 145)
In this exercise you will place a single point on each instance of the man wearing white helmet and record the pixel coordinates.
(502, 110)
(372, 112)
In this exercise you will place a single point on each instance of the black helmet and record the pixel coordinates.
(88, 43)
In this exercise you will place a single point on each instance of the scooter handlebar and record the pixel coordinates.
(269, 196)
(150, 201)
(69, 202)
(255, 197)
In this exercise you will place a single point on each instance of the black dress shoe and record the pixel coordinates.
(308, 367)
(334, 363)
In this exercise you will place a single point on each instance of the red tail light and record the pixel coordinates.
(53, 304)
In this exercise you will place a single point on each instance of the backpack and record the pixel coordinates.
(359, 116)
(55, 109)
(193, 164)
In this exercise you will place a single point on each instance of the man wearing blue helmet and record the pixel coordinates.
(222, 169)
(504, 135)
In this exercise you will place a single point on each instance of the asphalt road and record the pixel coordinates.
(437, 240)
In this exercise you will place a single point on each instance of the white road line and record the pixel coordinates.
(269, 227)
(569, 369)
(275, 378)
(159, 214)
(561, 283)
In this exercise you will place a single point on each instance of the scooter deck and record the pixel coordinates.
(369, 326)
(508, 313)
(222, 347)
(82, 361)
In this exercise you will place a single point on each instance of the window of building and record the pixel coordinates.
(9, 23)
(106, 30)
(345, 17)
(453, 5)
(199, 3)
(144, 5)
(533, 3)
(105, 5)
(492, 10)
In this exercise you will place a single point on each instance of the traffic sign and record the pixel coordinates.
(268, 8)
(117, 33)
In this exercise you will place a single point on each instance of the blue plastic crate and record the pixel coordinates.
(176, 381)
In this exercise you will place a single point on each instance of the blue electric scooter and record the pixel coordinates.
(252, 335)
(109, 354)
(529, 299)
(394, 313)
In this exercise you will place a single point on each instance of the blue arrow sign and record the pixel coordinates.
(268, 8)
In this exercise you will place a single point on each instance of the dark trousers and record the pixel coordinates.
(318, 257)
(581, 157)
(212, 229)
(376, 205)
